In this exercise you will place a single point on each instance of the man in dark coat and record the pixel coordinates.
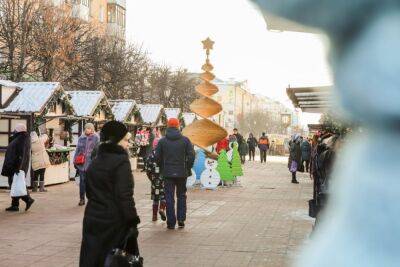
(252, 143)
(263, 145)
(239, 137)
(305, 153)
(175, 156)
(17, 159)
(110, 213)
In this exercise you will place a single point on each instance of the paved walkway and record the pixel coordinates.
(261, 223)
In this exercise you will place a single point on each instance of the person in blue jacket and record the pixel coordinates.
(175, 156)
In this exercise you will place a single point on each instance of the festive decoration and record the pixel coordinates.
(199, 162)
(204, 132)
(236, 163)
(142, 138)
(224, 167)
(210, 177)
(58, 157)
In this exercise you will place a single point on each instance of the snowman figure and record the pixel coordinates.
(210, 177)
(230, 152)
(191, 180)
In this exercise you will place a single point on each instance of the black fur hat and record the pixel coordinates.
(113, 131)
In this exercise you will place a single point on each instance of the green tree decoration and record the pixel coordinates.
(236, 163)
(224, 167)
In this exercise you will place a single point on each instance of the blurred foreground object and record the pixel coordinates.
(360, 226)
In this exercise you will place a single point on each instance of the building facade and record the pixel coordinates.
(109, 16)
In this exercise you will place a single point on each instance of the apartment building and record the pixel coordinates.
(108, 15)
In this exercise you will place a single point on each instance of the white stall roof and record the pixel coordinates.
(122, 109)
(85, 102)
(188, 117)
(33, 97)
(7, 83)
(150, 113)
(172, 112)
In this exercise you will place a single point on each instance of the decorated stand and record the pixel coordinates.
(43, 107)
(151, 119)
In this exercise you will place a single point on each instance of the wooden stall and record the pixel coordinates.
(43, 107)
(126, 111)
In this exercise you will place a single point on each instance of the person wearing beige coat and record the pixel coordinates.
(40, 160)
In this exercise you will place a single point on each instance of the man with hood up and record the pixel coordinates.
(175, 156)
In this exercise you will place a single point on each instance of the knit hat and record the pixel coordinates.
(20, 128)
(113, 131)
(173, 123)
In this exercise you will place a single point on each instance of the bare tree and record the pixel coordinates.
(16, 35)
(57, 41)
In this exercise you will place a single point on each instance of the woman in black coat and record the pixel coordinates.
(294, 156)
(110, 213)
(17, 159)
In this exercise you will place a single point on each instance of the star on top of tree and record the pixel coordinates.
(208, 44)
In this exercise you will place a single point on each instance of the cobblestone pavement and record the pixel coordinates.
(261, 223)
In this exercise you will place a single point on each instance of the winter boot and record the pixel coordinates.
(42, 189)
(294, 180)
(155, 210)
(35, 186)
(162, 211)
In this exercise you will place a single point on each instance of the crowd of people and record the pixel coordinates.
(106, 179)
(247, 148)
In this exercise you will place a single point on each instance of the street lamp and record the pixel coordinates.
(167, 94)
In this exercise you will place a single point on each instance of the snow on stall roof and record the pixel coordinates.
(188, 117)
(150, 113)
(7, 83)
(85, 102)
(122, 108)
(172, 112)
(33, 96)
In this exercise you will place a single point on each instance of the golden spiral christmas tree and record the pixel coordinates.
(204, 132)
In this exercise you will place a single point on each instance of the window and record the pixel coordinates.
(111, 14)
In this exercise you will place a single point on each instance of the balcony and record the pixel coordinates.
(80, 11)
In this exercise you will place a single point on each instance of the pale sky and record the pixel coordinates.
(172, 31)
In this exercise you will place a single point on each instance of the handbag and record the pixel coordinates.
(80, 159)
(121, 258)
(18, 186)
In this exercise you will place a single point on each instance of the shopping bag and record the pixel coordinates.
(18, 186)
(293, 166)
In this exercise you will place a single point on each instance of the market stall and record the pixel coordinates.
(152, 117)
(126, 111)
(43, 107)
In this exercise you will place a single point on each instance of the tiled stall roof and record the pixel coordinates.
(172, 112)
(150, 113)
(188, 117)
(85, 102)
(122, 109)
(33, 97)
